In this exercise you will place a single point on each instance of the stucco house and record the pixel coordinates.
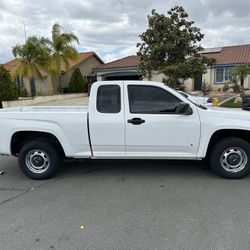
(221, 72)
(126, 68)
(49, 84)
(217, 75)
(122, 69)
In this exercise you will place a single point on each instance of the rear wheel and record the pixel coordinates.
(38, 159)
(230, 158)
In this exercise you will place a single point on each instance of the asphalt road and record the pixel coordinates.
(124, 205)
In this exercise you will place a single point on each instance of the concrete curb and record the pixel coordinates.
(41, 99)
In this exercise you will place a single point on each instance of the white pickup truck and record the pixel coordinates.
(127, 120)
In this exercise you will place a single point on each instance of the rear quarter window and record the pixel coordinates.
(108, 99)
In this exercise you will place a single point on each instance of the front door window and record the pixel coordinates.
(151, 100)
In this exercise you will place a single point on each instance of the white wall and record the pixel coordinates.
(189, 84)
(247, 82)
(158, 77)
(208, 76)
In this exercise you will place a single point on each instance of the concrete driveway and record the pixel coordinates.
(124, 205)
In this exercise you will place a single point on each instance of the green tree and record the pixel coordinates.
(170, 46)
(77, 83)
(240, 73)
(8, 89)
(61, 51)
(33, 56)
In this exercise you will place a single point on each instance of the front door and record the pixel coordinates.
(33, 87)
(198, 82)
(153, 129)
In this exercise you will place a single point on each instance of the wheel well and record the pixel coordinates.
(20, 138)
(220, 134)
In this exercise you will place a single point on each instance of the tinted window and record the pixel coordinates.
(150, 99)
(108, 99)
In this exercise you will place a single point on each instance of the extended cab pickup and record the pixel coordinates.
(127, 119)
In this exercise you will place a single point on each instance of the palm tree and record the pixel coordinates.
(240, 73)
(61, 51)
(32, 55)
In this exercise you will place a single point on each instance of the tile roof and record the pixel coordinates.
(126, 62)
(239, 54)
(11, 65)
(83, 56)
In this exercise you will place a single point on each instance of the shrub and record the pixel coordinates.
(22, 92)
(8, 89)
(171, 84)
(236, 88)
(182, 87)
(40, 93)
(15, 91)
(226, 87)
(77, 83)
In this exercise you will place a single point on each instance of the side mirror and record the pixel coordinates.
(184, 109)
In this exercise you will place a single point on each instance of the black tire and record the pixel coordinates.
(45, 153)
(226, 167)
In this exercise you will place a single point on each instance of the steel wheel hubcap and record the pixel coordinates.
(234, 159)
(37, 161)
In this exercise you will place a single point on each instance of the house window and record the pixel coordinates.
(228, 73)
(219, 75)
(223, 75)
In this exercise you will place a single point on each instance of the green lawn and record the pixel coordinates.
(230, 104)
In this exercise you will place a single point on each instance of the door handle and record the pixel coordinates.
(136, 121)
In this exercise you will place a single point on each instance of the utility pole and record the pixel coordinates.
(25, 34)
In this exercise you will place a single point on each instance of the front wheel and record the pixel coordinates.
(230, 158)
(38, 159)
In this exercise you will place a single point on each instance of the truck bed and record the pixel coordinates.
(67, 124)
